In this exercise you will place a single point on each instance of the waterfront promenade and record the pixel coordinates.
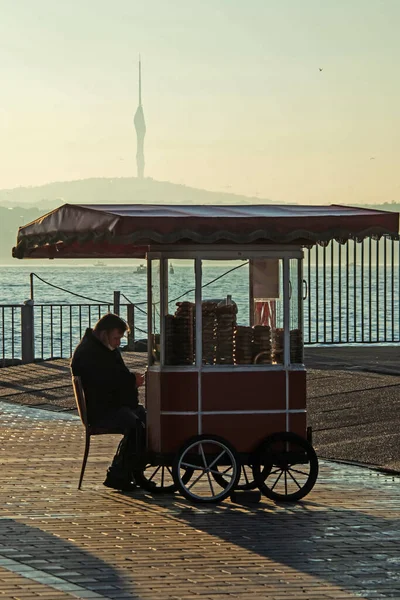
(341, 542)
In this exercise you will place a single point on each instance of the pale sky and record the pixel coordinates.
(233, 95)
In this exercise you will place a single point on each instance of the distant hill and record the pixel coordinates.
(20, 206)
(123, 190)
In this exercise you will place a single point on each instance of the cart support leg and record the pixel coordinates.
(309, 434)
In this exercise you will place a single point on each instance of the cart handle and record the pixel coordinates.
(305, 284)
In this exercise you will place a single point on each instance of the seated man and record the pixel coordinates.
(111, 392)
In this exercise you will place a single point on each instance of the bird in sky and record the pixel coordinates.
(321, 69)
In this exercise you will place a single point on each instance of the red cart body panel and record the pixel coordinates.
(243, 407)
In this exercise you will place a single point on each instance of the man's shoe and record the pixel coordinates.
(120, 484)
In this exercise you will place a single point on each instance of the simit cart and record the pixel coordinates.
(226, 381)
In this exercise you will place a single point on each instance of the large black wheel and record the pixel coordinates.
(158, 479)
(210, 457)
(291, 466)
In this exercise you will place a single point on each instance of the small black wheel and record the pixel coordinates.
(291, 465)
(211, 457)
(246, 480)
(158, 479)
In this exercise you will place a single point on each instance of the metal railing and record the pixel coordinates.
(352, 293)
(59, 327)
(56, 330)
(10, 333)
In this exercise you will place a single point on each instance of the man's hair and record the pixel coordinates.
(109, 322)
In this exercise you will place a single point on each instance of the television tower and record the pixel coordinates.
(140, 127)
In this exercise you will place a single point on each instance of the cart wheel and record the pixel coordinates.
(158, 479)
(208, 456)
(292, 466)
(246, 479)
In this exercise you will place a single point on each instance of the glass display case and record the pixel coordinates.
(226, 331)
(242, 312)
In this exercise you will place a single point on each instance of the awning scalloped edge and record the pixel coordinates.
(147, 237)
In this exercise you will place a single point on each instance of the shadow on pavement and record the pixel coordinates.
(41, 557)
(352, 550)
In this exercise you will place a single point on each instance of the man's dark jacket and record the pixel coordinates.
(107, 382)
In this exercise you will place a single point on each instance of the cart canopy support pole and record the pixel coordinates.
(286, 330)
(199, 348)
(149, 315)
(163, 305)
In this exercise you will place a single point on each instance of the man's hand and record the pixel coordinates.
(139, 379)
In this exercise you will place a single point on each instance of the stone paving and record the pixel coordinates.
(341, 542)
(355, 416)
